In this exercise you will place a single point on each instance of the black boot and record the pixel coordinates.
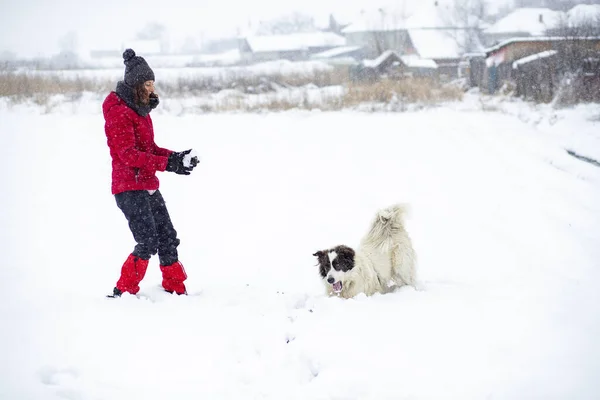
(116, 293)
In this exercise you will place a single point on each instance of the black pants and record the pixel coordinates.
(150, 224)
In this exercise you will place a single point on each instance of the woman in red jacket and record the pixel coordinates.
(135, 160)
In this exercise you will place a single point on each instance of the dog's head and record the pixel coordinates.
(334, 264)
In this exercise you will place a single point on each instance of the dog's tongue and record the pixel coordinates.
(337, 287)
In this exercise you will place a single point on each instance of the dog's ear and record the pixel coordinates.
(322, 256)
(324, 263)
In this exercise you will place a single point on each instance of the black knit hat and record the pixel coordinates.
(137, 69)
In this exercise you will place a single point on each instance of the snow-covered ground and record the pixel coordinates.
(506, 225)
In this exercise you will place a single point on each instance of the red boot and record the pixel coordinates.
(132, 273)
(173, 277)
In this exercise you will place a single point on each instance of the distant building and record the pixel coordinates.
(429, 33)
(445, 46)
(223, 45)
(341, 55)
(584, 15)
(378, 35)
(293, 47)
(500, 59)
(392, 65)
(523, 22)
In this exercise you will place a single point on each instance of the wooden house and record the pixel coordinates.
(523, 22)
(500, 58)
(392, 65)
(428, 33)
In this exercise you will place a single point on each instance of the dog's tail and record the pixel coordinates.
(388, 223)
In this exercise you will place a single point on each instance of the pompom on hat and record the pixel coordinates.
(137, 69)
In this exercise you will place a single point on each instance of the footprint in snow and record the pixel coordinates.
(63, 379)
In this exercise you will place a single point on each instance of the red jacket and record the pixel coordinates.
(135, 156)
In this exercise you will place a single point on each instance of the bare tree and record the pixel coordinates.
(577, 60)
(388, 31)
(576, 46)
(464, 20)
(558, 5)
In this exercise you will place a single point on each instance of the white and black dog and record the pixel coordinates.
(385, 258)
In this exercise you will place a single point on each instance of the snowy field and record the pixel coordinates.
(506, 225)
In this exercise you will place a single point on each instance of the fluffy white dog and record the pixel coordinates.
(385, 258)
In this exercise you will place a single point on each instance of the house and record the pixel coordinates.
(537, 76)
(584, 15)
(429, 33)
(393, 65)
(581, 20)
(523, 22)
(220, 45)
(437, 32)
(420, 67)
(293, 47)
(443, 46)
(343, 55)
(500, 58)
(379, 31)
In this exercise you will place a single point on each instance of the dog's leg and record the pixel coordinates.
(403, 261)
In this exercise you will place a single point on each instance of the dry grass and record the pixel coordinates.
(23, 85)
(391, 94)
(424, 91)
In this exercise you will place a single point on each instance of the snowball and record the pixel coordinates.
(187, 159)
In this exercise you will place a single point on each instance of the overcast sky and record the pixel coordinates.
(34, 27)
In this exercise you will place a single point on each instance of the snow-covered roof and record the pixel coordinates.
(428, 14)
(294, 42)
(584, 14)
(384, 56)
(336, 52)
(438, 43)
(533, 57)
(439, 15)
(535, 39)
(534, 21)
(376, 22)
(413, 61)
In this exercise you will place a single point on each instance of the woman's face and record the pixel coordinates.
(149, 85)
(145, 92)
